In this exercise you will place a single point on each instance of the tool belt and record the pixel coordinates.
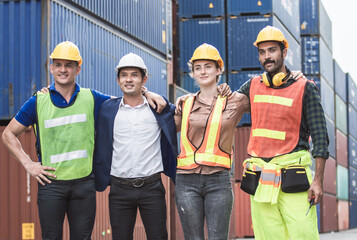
(250, 181)
(294, 179)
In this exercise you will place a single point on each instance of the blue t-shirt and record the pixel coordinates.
(27, 114)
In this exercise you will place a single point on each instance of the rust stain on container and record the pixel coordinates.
(328, 213)
(341, 148)
(241, 140)
(343, 214)
(329, 184)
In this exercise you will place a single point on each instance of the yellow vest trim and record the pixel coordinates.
(273, 99)
(269, 133)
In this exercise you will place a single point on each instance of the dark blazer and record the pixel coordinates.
(104, 141)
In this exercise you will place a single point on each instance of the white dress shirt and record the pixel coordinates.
(136, 143)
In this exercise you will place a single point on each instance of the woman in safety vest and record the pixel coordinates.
(207, 122)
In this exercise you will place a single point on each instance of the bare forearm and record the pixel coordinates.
(320, 167)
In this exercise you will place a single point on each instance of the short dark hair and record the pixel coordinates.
(142, 72)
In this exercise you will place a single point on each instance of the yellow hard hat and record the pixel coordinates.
(67, 51)
(207, 52)
(270, 33)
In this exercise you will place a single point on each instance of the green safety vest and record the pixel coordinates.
(66, 135)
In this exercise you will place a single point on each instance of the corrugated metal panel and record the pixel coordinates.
(241, 140)
(329, 184)
(18, 191)
(352, 120)
(242, 32)
(352, 90)
(188, 83)
(285, 10)
(145, 19)
(342, 182)
(339, 81)
(353, 213)
(343, 214)
(315, 21)
(194, 32)
(242, 214)
(20, 54)
(327, 98)
(207, 8)
(328, 213)
(101, 48)
(317, 58)
(353, 182)
(341, 114)
(237, 79)
(352, 151)
(331, 134)
(341, 148)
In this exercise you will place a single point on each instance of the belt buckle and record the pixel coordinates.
(139, 182)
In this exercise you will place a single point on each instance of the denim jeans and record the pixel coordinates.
(204, 196)
(77, 198)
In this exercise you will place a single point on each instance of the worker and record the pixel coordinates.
(134, 145)
(284, 112)
(64, 126)
(207, 121)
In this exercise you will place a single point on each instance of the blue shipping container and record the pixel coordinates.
(203, 8)
(145, 19)
(327, 99)
(353, 182)
(317, 58)
(237, 79)
(352, 151)
(331, 134)
(241, 34)
(352, 91)
(190, 84)
(316, 79)
(194, 32)
(340, 81)
(353, 213)
(101, 48)
(314, 21)
(284, 10)
(20, 54)
(352, 121)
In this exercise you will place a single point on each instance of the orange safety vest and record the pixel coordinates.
(208, 153)
(276, 118)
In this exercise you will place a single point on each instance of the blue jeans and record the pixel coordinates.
(204, 196)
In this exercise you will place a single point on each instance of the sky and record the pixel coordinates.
(343, 15)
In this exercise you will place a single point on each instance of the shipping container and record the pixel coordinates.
(316, 80)
(194, 32)
(353, 213)
(237, 79)
(352, 91)
(241, 140)
(318, 213)
(242, 214)
(327, 98)
(188, 83)
(317, 58)
(341, 114)
(341, 148)
(101, 48)
(314, 21)
(340, 82)
(343, 214)
(342, 182)
(20, 54)
(201, 8)
(353, 182)
(284, 10)
(331, 134)
(352, 151)
(352, 121)
(242, 32)
(328, 213)
(329, 184)
(146, 20)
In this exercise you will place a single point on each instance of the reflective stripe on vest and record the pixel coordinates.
(208, 153)
(276, 117)
(66, 135)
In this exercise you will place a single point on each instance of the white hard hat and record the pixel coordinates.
(131, 60)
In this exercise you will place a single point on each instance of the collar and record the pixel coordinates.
(122, 104)
(76, 90)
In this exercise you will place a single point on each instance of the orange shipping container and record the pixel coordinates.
(328, 213)
(329, 184)
(341, 148)
(343, 214)
(240, 150)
